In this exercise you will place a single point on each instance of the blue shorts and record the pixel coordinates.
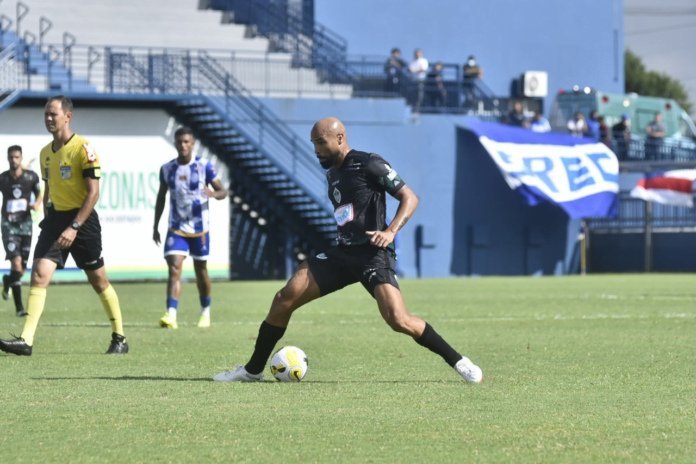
(198, 247)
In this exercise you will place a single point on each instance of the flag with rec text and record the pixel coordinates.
(579, 174)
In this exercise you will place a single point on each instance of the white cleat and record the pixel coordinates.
(470, 371)
(239, 374)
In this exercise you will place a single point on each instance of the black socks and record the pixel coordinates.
(13, 280)
(268, 337)
(435, 343)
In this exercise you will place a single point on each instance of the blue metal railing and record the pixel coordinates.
(631, 215)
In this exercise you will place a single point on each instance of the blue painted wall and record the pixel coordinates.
(577, 42)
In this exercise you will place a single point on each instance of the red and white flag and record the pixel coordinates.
(669, 187)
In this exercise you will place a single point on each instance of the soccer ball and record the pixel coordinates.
(289, 364)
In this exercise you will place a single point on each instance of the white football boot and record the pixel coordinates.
(470, 371)
(239, 374)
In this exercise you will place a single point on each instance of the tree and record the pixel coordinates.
(653, 83)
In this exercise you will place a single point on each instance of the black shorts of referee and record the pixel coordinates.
(86, 249)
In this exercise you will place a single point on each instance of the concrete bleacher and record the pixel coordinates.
(170, 24)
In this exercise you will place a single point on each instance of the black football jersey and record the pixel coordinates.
(16, 196)
(357, 191)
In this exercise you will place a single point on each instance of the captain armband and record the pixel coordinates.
(92, 173)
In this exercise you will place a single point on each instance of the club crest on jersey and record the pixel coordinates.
(337, 195)
(17, 193)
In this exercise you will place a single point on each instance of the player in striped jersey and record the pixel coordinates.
(187, 179)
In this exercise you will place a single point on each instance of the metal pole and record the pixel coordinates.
(648, 236)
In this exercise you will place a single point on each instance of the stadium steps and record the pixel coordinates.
(268, 186)
(45, 68)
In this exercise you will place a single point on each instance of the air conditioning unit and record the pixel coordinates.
(534, 84)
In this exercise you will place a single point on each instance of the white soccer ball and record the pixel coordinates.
(289, 364)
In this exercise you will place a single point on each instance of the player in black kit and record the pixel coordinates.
(358, 183)
(16, 186)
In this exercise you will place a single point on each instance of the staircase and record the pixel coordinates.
(272, 196)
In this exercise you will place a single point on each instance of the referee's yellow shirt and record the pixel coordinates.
(65, 171)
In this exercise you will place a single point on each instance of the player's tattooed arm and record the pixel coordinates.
(402, 223)
(408, 202)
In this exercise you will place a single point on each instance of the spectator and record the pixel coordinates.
(394, 69)
(656, 131)
(577, 126)
(437, 95)
(516, 115)
(472, 70)
(418, 69)
(604, 133)
(539, 123)
(622, 136)
(593, 125)
(472, 73)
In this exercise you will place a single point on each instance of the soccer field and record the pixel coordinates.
(592, 369)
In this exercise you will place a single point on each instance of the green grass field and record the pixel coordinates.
(593, 369)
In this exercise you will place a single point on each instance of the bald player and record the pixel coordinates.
(357, 183)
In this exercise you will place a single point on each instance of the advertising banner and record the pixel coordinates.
(128, 191)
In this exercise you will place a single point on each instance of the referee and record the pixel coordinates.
(71, 172)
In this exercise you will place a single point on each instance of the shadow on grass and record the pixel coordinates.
(267, 382)
(129, 377)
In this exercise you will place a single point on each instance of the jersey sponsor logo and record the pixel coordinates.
(46, 171)
(337, 195)
(184, 178)
(322, 256)
(16, 206)
(66, 172)
(89, 151)
(344, 214)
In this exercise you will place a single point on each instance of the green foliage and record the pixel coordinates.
(594, 369)
(653, 83)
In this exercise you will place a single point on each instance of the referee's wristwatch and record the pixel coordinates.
(75, 225)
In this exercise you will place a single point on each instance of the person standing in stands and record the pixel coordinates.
(394, 69)
(577, 126)
(418, 69)
(71, 171)
(516, 116)
(437, 95)
(604, 132)
(472, 72)
(593, 125)
(17, 185)
(621, 132)
(656, 131)
(539, 123)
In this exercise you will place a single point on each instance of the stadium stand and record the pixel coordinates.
(180, 27)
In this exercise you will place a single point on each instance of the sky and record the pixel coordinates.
(663, 34)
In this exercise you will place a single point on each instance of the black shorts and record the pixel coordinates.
(345, 265)
(17, 245)
(86, 249)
